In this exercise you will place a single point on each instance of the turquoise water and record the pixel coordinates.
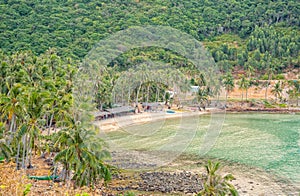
(267, 141)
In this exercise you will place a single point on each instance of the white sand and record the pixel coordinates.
(113, 124)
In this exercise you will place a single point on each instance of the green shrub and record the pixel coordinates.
(27, 189)
(264, 77)
(128, 194)
(268, 105)
(282, 105)
(279, 77)
(83, 194)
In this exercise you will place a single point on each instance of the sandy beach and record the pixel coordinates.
(113, 124)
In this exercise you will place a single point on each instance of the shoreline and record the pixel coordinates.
(249, 180)
(268, 110)
(115, 123)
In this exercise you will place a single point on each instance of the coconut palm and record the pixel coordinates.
(5, 149)
(294, 92)
(12, 105)
(270, 72)
(244, 85)
(277, 90)
(228, 83)
(81, 153)
(215, 184)
(202, 97)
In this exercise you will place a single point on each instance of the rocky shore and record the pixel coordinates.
(269, 110)
(164, 182)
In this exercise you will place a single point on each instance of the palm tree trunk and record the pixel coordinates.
(148, 91)
(128, 96)
(137, 94)
(266, 93)
(29, 151)
(50, 123)
(122, 97)
(17, 156)
(242, 95)
(12, 128)
(24, 150)
(156, 94)
(12, 124)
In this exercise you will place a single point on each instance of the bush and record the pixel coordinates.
(264, 77)
(268, 105)
(279, 77)
(282, 105)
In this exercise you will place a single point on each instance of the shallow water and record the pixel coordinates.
(267, 141)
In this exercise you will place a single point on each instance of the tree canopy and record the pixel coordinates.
(74, 26)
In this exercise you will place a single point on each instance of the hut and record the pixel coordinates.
(100, 115)
(153, 107)
(121, 111)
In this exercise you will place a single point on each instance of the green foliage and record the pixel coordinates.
(5, 150)
(279, 77)
(38, 92)
(268, 105)
(82, 194)
(127, 194)
(277, 90)
(73, 27)
(282, 105)
(294, 92)
(27, 189)
(202, 96)
(264, 77)
(37, 89)
(82, 153)
(215, 184)
(228, 83)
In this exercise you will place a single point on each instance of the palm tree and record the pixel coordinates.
(12, 105)
(202, 97)
(215, 184)
(81, 152)
(5, 149)
(244, 85)
(294, 92)
(228, 82)
(277, 90)
(201, 81)
(270, 71)
(141, 76)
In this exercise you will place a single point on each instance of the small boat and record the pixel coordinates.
(42, 177)
(170, 111)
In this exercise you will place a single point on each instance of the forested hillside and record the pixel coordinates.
(74, 26)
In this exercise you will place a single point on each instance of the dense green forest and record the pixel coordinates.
(249, 29)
